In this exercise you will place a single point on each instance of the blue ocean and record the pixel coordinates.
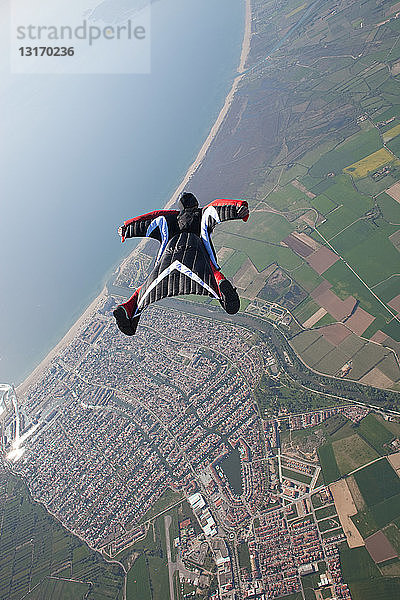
(81, 153)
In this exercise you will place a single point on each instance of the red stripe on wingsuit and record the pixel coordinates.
(152, 215)
(233, 202)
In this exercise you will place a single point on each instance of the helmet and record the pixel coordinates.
(188, 200)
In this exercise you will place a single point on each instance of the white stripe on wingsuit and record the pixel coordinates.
(209, 213)
(178, 266)
(161, 223)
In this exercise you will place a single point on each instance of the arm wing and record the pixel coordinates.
(216, 212)
(225, 210)
(154, 224)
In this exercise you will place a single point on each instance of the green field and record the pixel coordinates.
(388, 289)
(307, 278)
(364, 578)
(323, 204)
(391, 568)
(392, 532)
(374, 257)
(351, 453)
(316, 351)
(355, 148)
(336, 222)
(376, 517)
(59, 590)
(150, 570)
(326, 511)
(345, 284)
(325, 320)
(389, 367)
(377, 482)
(305, 310)
(366, 358)
(351, 345)
(34, 546)
(261, 254)
(375, 433)
(331, 362)
(296, 475)
(304, 340)
(328, 463)
(138, 583)
(393, 427)
(386, 511)
(233, 264)
(288, 198)
(389, 207)
(343, 193)
(394, 145)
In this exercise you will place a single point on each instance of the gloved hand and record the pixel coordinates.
(243, 212)
(121, 232)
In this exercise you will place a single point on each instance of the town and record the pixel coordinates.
(113, 425)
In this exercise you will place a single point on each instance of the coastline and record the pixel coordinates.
(246, 39)
(65, 341)
(91, 309)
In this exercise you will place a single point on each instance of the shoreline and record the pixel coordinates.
(63, 343)
(91, 309)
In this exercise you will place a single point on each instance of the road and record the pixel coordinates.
(366, 465)
(171, 565)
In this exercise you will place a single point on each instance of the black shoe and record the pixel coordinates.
(125, 324)
(229, 300)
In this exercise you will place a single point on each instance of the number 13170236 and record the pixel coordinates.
(46, 51)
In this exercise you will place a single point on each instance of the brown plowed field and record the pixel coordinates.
(359, 321)
(394, 191)
(379, 337)
(303, 237)
(376, 378)
(339, 309)
(325, 285)
(322, 259)
(379, 547)
(298, 246)
(336, 333)
(395, 303)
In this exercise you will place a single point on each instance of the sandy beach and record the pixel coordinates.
(92, 308)
(246, 38)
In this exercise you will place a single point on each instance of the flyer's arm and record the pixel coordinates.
(149, 225)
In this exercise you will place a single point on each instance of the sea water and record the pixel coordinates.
(80, 154)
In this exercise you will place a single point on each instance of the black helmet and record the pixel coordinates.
(188, 200)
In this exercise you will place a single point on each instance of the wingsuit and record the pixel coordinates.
(186, 262)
